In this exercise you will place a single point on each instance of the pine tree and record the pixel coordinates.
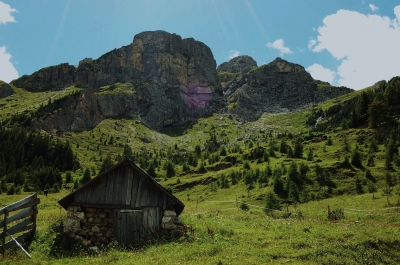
(298, 148)
(272, 202)
(356, 158)
(107, 163)
(293, 193)
(310, 155)
(278, 185)
(371, 188)
(86, 176)
(68, 177)
(224, 182)
(170, 169)
(359, 188)
(127, 151)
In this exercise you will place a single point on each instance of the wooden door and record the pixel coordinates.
(128, 226)
(151, 222)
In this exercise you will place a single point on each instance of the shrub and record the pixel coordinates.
(11, 190)
(244, 206)
(337, 214)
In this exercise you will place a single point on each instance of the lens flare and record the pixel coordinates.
(197, 96)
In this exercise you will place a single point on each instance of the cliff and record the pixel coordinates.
(173, 81)
(279, 86)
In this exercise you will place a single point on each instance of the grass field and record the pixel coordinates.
(368, 234)
(241, 237)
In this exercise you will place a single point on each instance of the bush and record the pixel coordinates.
(244, 206)
(68, 177)
(11, 190)
(337, 214)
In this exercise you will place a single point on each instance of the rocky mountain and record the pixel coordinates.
(237, 64)
(279, 86)
(164, 80)
(5, 90)
(172, 81)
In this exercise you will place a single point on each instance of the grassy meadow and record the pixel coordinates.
(224, 233)
(239, 237)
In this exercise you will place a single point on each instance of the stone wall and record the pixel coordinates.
(171, 224)
(94, 226)
(90, 226)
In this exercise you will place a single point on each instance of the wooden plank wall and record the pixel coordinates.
(123, 186)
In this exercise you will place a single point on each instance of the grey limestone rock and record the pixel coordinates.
(279, 86)
(237, 64)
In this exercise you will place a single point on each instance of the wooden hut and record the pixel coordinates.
(124, 204)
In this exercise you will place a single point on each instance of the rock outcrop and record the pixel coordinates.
(279, 86)
(164, 80)
(153, 55)
(49, 78)
(237, 64)
(5, 90)
(173, 80)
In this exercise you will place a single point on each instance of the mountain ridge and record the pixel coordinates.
(172, 81)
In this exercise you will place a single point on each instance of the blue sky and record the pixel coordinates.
(351, 43)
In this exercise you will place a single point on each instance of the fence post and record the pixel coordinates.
(4, 232)
(329, 213)
(34, 208)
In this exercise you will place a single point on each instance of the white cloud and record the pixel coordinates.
(367, 46)
(233, 54)
(373, 7)
(7, 70)
(280, 46)
(311, 43)
(319, 72)
(5, 13)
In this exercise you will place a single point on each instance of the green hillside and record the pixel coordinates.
(227, 172)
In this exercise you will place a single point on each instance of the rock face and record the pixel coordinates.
(5, 90)
(153, 55)
(164, 80)
(237, 64)
(173, 80)
(53, 77)
(279, 86)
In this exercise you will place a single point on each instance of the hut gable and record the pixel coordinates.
(124, 204)
(124, 186)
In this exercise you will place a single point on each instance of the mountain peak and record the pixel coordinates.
(282, 65)
(237, 64)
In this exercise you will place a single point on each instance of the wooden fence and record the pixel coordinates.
(23, 220)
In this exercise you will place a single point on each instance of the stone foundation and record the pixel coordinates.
(171, 224)
(90, 226)
(94, 226)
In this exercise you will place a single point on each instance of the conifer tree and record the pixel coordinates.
(107, 163)
(86, 176)
(272, 202)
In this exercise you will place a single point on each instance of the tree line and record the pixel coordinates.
(33, 161)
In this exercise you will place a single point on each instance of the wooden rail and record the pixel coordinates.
(24, 220)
